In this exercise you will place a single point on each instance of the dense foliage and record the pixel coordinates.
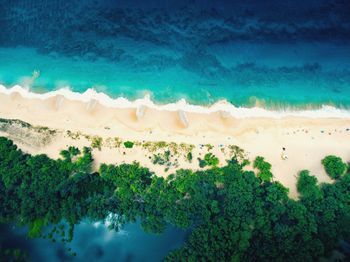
(334, 166)
(264, 168)
(231, 213)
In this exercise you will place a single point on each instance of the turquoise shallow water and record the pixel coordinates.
(302, 83)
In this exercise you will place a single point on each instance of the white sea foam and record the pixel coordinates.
(223, 107)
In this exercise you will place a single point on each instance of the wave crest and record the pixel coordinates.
(223, 106)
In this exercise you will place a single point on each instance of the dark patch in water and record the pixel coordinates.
(336, 90)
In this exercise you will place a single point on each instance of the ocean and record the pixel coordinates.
(272, 55)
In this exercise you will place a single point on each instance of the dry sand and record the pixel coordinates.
(307, 140)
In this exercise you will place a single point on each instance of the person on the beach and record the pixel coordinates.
(283, 155)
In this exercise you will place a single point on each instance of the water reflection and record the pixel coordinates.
(94, 242)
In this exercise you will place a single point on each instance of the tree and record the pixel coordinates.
(211, 160)
(264, 169)
(334, 166)
(307, 187)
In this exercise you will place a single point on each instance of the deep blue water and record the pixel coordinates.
(281, 52)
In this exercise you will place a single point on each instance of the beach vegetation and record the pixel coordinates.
(211, 160)
(154, 146)
(162, 159)
(160, 144)
(264, 168)
(109, 142)
(137, 143)
(202, 163)
(35, 135)
(308, 188)
(117, 142)
(189, 157)
(334, 166)
(173, 147)
(73, 135)
(128, 144)
(70, 153)
(209, 146)
(96, 142)
(6, 123)
(45, 130)
(237, 152)
(112, 142)
(87, 137)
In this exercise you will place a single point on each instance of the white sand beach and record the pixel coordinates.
(306, 137)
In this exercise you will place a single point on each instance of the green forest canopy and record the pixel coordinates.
(232, 214)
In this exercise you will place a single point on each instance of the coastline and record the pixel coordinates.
(308, 135)
(223, 106)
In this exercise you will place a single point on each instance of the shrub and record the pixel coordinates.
(209, 147)
(334, 166)
(202, 163)
(157, 159)
(211, 159)
(167, 156)
(161, 159)
(96, 142)
(189, 157)
(128, 144)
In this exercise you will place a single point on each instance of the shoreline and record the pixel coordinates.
(91, 96)
(76, 123)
